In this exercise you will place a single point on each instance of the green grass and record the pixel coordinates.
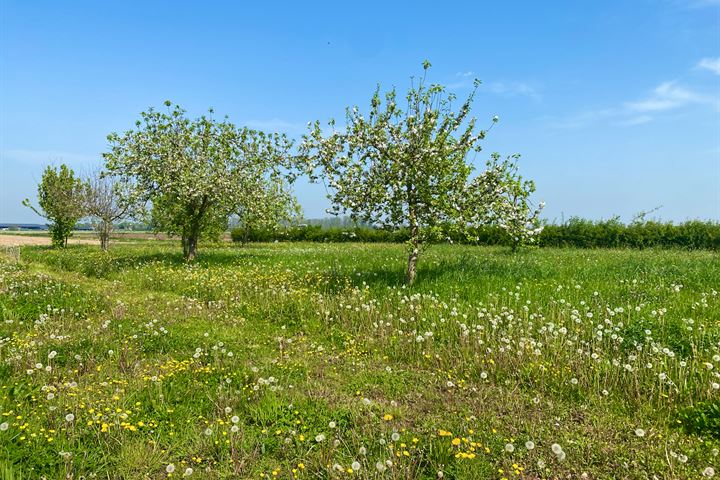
(607, 353)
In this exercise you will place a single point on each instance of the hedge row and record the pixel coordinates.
(576, 232)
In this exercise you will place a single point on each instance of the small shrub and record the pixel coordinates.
(701, 419)
(576, 233)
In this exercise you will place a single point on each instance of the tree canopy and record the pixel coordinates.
(194, 173)
(399, 165)
(61, 197)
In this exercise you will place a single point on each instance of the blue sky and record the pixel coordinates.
(614, 105)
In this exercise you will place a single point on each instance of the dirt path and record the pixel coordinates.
(13, 240)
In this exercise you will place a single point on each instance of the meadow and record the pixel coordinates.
(314, 360)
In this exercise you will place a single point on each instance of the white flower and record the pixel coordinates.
(235, 419)
(355, 466)
(208, 431)
(529, 445)
(69, 417)
(52, 354)
(639, 432)
(170, 468)
(188, 472)
(319, 437)
(228, 409)
(709, 472)
(234, 429)
(332, 424)
(556, 448)
(395, 436)
(380, 466)
(509, 447)
(4, 426)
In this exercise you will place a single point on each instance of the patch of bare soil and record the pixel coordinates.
(16, 240)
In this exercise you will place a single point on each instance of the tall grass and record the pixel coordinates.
(311, 360)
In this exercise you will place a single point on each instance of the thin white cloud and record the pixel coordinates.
(666, 97)
(711, 64)
(582, 119)
(508, 89)
(462, 80)
(513, 89)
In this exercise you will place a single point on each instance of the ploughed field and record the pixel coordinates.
(314, 361)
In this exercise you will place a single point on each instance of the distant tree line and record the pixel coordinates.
(576, 232)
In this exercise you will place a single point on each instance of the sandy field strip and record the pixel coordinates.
(15, 240)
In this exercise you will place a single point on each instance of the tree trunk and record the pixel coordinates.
(105, 228)
(189, 243)
(412, 266)
(192, 241)
(184, 242)
(414, 251)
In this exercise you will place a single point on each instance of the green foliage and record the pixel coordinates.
(61, 196)
(400, 167)
(237, 364)
(577, 233)
(265, 207)
(194, 172)
(701, 419)
(612, 233)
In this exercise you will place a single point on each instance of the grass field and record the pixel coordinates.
(314, 361)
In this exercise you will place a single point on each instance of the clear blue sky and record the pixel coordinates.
(614, 105)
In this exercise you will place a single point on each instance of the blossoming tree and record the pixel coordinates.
(399, 166)
(499, 195)
(266, 206)
(194, 172)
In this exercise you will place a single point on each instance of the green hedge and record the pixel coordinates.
(576, 232)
